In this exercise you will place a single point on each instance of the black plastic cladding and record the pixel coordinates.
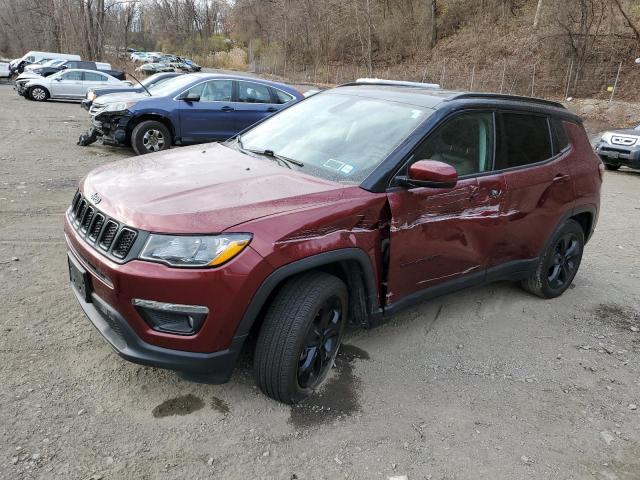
(104, 234)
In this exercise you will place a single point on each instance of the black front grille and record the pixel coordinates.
(113, 238)
(82, 206)
(124, 243)
(94, 231)
(109, 233)
(86, 220)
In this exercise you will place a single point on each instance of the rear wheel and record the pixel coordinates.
(150, 136)
(39, 94)
(300, 336)
(611, 166)
(559, 263)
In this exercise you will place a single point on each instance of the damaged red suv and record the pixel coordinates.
(345, 207)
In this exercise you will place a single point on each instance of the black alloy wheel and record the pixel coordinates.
(321, 343)
(565, 261)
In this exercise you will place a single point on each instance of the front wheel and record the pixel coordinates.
(612, 166)
(559, 263)
(150, 136)
(300, 336)
(39, 94)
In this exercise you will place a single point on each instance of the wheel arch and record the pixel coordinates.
(585, 215)
(351, 265)
(37, 85)
(158, 117)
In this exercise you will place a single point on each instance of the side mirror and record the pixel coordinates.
(191, 97)
(63, 67)
(430, 173)
(58, 79)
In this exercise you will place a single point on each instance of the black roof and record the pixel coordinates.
(436, 98)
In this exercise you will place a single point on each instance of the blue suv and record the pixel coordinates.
(188, 109)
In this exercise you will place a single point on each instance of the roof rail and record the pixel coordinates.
(517, 98)
(395, 83)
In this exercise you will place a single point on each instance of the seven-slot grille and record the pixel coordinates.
(103, 233)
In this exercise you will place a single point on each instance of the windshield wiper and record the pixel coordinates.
(281, 159)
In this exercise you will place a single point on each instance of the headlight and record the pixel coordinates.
(119, 106)
(91, 95)
(606, 137)
(194, 251)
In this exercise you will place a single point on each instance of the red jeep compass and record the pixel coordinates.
(346, 206)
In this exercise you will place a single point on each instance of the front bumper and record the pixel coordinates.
(20, 88)
(616, 155)
(112, 287)
(218, 366)
(112, 128)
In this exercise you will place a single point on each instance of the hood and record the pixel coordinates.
(121, 97)
(625, 131)
(27, 76)
(202, 189)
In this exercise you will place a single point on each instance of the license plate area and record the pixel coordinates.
(79, 279)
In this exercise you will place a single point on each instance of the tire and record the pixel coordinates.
(291, 360)
(38, 93)
(150, 136)
(611, 166)
(559, 263)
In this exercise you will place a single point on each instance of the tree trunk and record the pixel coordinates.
(536, 19)
(434, 24)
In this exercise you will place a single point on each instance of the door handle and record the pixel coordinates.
(560, 178)
(272, 109)
(227, 109)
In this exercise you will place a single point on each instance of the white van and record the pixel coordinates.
(31, 57)
(4, 70)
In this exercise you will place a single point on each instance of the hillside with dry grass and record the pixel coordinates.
(540, 47)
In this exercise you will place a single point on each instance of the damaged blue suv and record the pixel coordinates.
(188, 109)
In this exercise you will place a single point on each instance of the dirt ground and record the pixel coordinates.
(489, 383)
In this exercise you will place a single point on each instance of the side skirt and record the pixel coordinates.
(513, 271)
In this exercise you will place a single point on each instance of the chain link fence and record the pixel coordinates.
(615, 78)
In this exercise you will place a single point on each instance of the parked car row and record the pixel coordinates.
(19, 64)
(154, 62)
(69, 84)
(182, 110)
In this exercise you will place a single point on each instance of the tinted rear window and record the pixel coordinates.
(560, 135)
(283, 97)
(525, 139)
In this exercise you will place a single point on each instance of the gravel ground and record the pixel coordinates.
(487, 383)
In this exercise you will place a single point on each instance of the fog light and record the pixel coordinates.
(171, 317)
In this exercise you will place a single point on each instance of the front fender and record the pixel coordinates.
(306, 264)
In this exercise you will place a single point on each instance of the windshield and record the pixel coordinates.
(336, 136)
(170, 86)
(153, 81)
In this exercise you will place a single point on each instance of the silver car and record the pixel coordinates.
(70, 84)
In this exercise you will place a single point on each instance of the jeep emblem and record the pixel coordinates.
(96, 198)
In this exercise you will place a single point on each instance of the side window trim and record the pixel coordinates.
(410, 158)
(178, 96)
(557, 123)
(219, 80)
(237, 97)
(277, 100)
